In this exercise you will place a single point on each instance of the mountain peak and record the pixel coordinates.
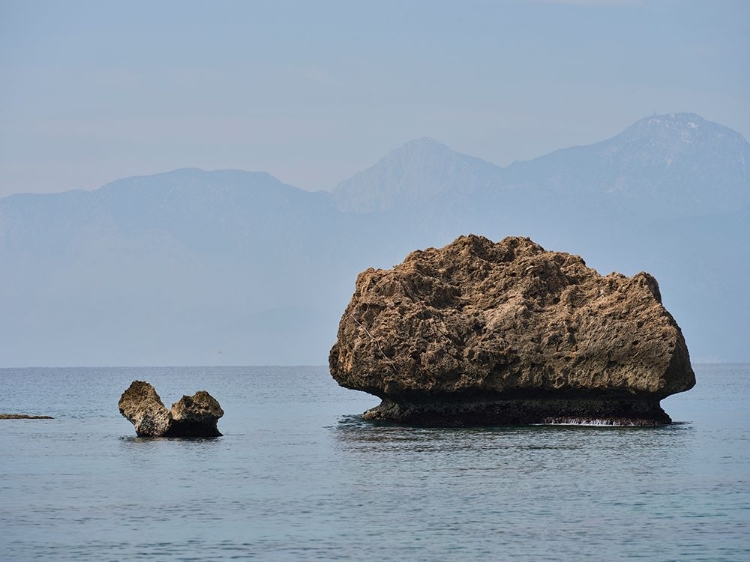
(689, 120)
(424, 142)
(677, 164)
(682, 127)
(416, 150)
(413, 174)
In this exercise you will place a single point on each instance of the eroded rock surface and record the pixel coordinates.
(141, 405)
(507, 333)
(196, 416)
(191, 416)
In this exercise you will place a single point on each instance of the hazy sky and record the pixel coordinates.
(314, 91)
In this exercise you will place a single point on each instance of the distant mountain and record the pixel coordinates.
(665, 165)
(415, 175)
(182, 267)
(231, 267)
(192, 207)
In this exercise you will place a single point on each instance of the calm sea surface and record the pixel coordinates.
(299, 476)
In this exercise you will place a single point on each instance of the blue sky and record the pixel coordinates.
(314, 91)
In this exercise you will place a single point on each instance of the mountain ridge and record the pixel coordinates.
(425, 149)
(638, 163)
(173, 267)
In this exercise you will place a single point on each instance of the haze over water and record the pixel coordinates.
(185, 182)
(298, 475)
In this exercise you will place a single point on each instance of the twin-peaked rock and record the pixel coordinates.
(191, 416)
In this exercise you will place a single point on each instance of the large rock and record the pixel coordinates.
(191, 416)
(508, 333)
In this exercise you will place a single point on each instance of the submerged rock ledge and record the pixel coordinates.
(483, 333)
(24, 417)
(191, 416)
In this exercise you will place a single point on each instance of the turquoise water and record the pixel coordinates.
(299, 476)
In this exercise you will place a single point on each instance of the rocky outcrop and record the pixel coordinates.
(142, 407)
(195, 416)
(191, 416)
(24, 417)
(507, 333)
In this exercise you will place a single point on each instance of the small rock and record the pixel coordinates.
(191, 416)
(196, 416)
(141, 405)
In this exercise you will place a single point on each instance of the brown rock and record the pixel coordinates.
(141, 405)
(196, 416)
(508, 333)
(191, 416)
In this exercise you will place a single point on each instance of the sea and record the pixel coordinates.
(299, 475)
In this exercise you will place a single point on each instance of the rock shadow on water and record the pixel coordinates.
(356, 435)
(138, 441)
(357, 426)
(356, 429)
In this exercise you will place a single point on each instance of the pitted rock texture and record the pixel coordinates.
(196, 416)
(191, 416)
(141, 405)
(492, 333)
